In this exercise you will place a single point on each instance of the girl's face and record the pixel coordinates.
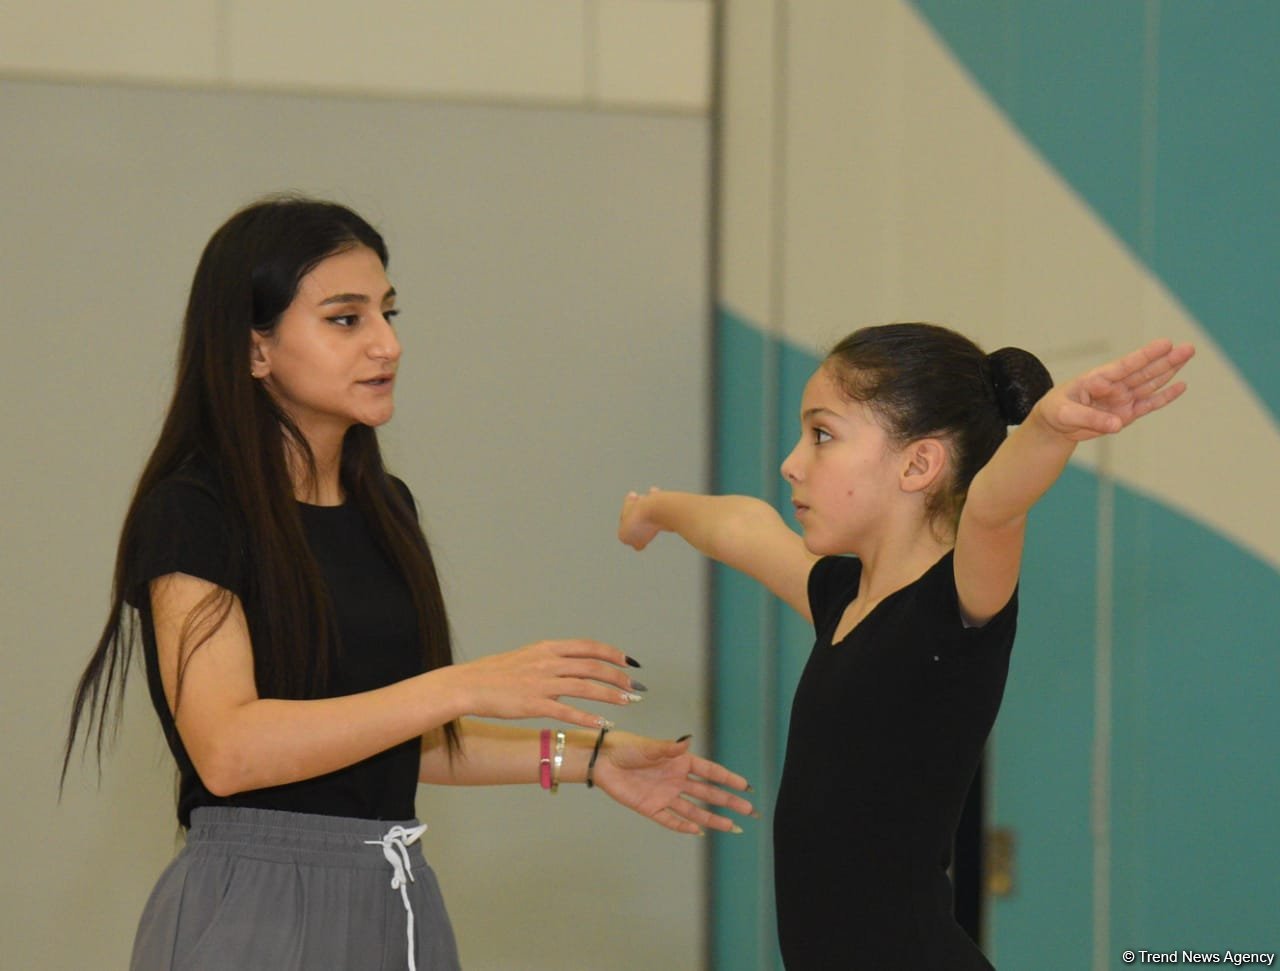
(331, 360)
(844, 472)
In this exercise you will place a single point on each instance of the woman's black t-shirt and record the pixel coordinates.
(184, 527)
(887, 728)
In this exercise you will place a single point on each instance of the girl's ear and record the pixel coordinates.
(924, 462)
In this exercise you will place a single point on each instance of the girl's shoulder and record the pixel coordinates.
(937, 597)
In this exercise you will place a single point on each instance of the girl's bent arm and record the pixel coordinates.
(239, 741)
(738, 531)
(1103, 401)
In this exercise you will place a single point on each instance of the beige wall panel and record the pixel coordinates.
(746, 186)
(144, 39)
(843, 160)
(632, 54)
(552, 270)
(485, 48)
(653, 52)
(955, 174)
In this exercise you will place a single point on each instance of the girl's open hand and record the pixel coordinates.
(633, 528)
(1113, 396)
(661, 779)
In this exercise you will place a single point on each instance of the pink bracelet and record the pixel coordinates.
(544, 758)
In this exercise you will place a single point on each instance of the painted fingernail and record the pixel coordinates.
(683, 738)
(604, 723)
(632, 661)
(736, 830)
(638, 685)
(632, 696)
(700, 833)
(750, 788)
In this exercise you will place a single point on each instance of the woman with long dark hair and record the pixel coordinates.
(295, 640)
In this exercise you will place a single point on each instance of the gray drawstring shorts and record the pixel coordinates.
(261, 890)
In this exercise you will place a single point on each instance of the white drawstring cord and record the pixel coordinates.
(395, 847)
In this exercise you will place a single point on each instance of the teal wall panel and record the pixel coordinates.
(743, 705)
(1216, 178)
(1196, 852)
(1042, 740)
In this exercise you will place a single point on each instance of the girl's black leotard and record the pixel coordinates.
(887, 728)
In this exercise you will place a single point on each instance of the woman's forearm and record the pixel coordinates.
(270, 742)
(496, 754)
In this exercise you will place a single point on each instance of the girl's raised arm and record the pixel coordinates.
(738, 531)
(1099, 402)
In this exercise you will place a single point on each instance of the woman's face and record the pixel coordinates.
(330, 362)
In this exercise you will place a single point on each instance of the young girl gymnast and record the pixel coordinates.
(913, 502)
(295, 640)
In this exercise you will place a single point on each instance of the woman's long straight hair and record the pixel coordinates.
(226, 420)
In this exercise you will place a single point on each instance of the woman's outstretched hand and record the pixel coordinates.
(634, 528)
(1111, 397)
(529, 682)
(660, 780)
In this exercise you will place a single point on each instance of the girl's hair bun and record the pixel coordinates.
(1020, 380)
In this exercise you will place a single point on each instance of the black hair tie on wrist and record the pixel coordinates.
(595, 754)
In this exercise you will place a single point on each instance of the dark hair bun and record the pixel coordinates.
(1020, 380)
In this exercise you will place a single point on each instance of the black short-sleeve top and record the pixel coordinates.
(184, 526)
(887, 728)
